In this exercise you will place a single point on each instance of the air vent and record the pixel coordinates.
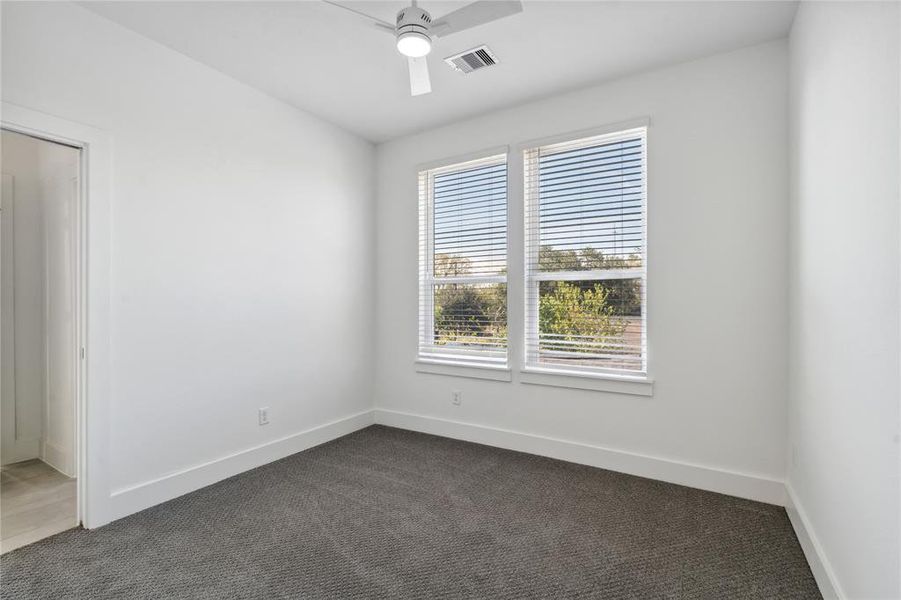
(472, 60)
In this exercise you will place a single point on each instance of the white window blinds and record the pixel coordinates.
(585, 254)
(463, 262)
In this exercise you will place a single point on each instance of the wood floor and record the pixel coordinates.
(36, 501)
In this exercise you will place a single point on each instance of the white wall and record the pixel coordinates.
(718, 179)
(844, 399)
(241, 243)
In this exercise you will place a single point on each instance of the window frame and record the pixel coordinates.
(498, 370)
(590, 378)
(516, 277)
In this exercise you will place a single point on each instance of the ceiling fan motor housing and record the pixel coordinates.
(413, 22)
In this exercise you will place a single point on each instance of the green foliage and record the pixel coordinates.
(451, 265)
(553, 259)
(624, 294)
(473, 314)
(465, 314)
(572, 312)
(550, 259)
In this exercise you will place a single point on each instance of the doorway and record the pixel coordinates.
(39, 231)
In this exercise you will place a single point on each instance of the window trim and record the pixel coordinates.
(438, 364)
(472, 371)
(636, 385)
(452, 161)
(639, 384)
(640, 122)
(543, 374)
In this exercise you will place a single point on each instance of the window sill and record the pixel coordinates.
(436, 367)
(637, 386)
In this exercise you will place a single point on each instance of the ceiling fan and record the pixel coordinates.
(415, 30)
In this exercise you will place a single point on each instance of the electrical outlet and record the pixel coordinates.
(264, 415)
(457, 397)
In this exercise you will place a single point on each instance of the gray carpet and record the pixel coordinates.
(385, 513)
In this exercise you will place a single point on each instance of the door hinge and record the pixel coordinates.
(82, 353)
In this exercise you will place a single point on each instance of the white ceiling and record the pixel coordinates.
(337, 66)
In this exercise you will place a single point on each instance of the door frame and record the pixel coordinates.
(92, 299)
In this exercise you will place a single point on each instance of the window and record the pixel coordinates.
(463, 263)
(585, 255)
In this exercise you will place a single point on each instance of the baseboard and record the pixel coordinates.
(743, 485)
(132, 499)
(813, 551)
(62, 461)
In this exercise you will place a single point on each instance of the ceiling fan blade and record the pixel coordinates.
(475, 14)
(419, 76)
(381, 25)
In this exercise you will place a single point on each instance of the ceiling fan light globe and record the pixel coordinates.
(414, 44)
